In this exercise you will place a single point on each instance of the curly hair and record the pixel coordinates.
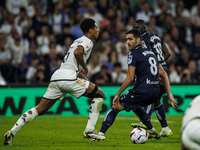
(86, 24)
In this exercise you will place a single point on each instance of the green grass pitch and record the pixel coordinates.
(66, 133)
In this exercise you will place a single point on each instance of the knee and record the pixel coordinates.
(103, 94)
(40, 111)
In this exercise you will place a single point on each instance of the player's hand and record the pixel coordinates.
(81, 74)
(85, 71)
(172, 101)
(115, 101)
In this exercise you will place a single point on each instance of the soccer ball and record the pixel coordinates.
(138, 136)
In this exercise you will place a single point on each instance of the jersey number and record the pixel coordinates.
(158, 48)
(66, 57)
(153, 67)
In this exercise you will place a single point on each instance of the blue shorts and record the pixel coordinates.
(134, 99)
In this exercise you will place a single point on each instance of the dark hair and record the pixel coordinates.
(86, 24)
(136, 33)
(141, 22)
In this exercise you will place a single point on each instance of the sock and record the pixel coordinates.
(94, 111)
(160, 113)
(24, 119)
(149, 109)
(142, 115)
(108, 120)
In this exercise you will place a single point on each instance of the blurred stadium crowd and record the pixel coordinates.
(36, 34)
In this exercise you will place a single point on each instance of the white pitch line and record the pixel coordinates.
(134, 118)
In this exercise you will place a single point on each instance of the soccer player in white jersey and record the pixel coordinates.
(70, 78)
(190, 131)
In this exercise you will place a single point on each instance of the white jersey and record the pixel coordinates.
(70, 68)
(192, 112)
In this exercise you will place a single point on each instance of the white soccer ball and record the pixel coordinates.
(138, 136)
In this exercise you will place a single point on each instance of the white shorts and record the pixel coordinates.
(58, 89)
(190, 136)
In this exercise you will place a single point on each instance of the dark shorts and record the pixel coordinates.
(134, 99)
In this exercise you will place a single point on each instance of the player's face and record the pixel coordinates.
(137, 26)
(95, 32)
(131, 41)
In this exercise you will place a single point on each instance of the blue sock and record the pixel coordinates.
(142, 115)
(149, 109)
(160, 113)
(108, 120)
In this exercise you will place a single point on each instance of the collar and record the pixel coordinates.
(145, 32)
(139, 45)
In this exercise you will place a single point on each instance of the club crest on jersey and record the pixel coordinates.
(129, 59)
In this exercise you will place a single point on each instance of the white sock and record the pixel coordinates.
(24, 119)
(94, 111)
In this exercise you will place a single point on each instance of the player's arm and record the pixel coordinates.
(129, 79)
(166, 52)
(81, 74)
(165, 80)
(78, 53)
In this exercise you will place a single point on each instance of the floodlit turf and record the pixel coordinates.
(65, 133)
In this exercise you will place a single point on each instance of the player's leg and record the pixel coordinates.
(160, 113)
(110, 117)
(108, 120)
(81, 87)
(97, 96)
(142, 115)
(50, 97)
(28, 116)
(149, 109)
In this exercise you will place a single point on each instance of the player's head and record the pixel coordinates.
(140, 25)
(88, 25)
(133, 38)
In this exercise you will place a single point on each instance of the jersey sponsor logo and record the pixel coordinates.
(148, 81)
(147, 52)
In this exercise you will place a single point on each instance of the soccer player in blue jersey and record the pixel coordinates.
(143, 64)
(153, 42)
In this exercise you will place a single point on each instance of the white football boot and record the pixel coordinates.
(93, 134)
(166, 133)
(8, 138)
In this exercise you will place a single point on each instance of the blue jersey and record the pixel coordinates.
(153, 42)
(146, 65)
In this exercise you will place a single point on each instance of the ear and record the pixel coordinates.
(138, 40)
(90, 30)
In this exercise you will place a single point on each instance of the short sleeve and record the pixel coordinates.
(132, 61)
(86, 44)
